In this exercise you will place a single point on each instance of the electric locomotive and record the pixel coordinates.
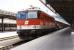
(34, 23)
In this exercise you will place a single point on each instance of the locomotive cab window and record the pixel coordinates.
(32, 14)
(21, 15)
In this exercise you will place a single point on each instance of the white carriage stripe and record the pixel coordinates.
(29, 27)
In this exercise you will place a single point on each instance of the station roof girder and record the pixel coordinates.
(64, 7)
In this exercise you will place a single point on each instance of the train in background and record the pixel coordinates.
(8, 25)
(34, 23)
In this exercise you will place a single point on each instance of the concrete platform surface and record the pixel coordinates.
(59, 40)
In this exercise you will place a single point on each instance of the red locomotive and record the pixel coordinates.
(34, 23)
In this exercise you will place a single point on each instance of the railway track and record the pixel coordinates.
(7, 43)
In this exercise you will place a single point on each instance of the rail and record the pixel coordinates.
(7, 42)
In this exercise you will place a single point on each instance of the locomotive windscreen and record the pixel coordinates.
(21, 15)
(32, 14)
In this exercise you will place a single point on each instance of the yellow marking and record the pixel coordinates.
(26, 22)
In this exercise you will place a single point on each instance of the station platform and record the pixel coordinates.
(59, 40)
(7, 34)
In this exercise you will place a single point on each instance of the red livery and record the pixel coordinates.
(34, 22)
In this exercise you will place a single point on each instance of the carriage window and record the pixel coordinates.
(32, 14)
(21, 15)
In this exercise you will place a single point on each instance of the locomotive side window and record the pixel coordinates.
(21, 15)
(32, 14)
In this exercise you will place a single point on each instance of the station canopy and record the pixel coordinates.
(7, 14)
(64, 7)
